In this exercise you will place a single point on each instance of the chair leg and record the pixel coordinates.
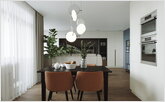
(81, 95)
(74, 87)
(98, 95)
(71, 94)
(66, 93)
(78, 95)
(101, 91)
(50, 95)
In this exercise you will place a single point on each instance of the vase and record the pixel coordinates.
(83, 63)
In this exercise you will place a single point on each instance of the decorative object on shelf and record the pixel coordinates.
(127, 46)
(75, 11)
(127, 43)
(85, 47)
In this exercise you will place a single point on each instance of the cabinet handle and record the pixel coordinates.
(115, 57)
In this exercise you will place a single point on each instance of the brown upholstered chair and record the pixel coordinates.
(58, 81)
(91, 64)
(89, 81)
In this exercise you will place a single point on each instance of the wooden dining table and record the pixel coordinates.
(74, 71)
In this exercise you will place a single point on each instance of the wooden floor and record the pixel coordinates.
(118, 90)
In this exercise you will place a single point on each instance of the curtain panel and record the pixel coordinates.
(17, 49)
(39, 42)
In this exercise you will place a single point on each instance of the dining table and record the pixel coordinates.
(74, 71)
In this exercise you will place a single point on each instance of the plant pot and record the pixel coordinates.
(47, 62)
(83, 63)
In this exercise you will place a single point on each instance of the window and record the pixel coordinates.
(17, 48)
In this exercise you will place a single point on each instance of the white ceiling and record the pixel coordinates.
(98, 15)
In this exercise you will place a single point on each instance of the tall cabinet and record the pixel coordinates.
(126, 39)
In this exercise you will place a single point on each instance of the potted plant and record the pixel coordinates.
(85, 47)
(72, 49)
(50, 49)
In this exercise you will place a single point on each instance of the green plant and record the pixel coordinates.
(71, 49)
(85, 47)
(51, 49)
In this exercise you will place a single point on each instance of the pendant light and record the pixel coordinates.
(81, 28)
(74, 15)
(73, 11)
(71, 36)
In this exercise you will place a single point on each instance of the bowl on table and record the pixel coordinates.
(70, 66)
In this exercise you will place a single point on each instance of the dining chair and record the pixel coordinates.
(58, 81)
(74, 78)
(89, 81)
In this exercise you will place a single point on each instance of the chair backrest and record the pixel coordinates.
(89, 81)
(58, 81)
(91, 64)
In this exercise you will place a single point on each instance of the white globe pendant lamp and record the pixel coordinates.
(71, 36)
(74, 15)
(81, 28)
(73, 11)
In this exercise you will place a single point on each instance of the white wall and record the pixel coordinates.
(114, 40)
(146, 81)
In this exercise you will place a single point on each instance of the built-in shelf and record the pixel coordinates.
(99, 47)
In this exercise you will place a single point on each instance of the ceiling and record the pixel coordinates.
(98, 15)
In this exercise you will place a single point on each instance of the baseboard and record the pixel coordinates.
(113, 67)
(135, 94)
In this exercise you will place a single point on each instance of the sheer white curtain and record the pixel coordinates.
(17, 48)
